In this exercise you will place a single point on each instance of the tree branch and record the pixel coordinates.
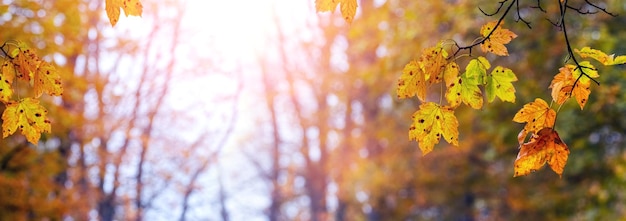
(563, 8)
(459, 48)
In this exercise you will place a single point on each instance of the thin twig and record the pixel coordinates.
(469, 47)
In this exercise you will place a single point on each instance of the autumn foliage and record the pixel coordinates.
(21, 64)
(434, 120)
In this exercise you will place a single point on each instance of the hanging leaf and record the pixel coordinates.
(465, 88)
(496, 41)
(466, 91)
(412, 82)
(433, 63)
(26, 62)
(562, 85)
(476, 70)
(6, 91)
(537, 115)
(131, 7)
(27, 115)
(347, 7)
(430, 123)
(600, 56)
(544, 147)
(499, 84)
(47, 80)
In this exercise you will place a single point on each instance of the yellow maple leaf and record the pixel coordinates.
(131, 7)
(433, 62)
(537, 115)
(6, 78)
(412, 82)
(347, 7)
(348, 10)
(600, 56)
(47, 80)
(8, 70)
(430, 123)
(450, 73)
(544, 147)
(326, 5)
(5, 89)
(29, 116)
(495, 42)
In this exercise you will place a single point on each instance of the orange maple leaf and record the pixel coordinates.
(537, 115)
(26, 63)
(563, 86)
(495, 42)
(544, 147)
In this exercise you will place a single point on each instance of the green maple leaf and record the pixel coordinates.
(499, 84)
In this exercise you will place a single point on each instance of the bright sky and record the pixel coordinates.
(233, 32)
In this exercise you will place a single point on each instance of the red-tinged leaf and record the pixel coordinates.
(544, 147)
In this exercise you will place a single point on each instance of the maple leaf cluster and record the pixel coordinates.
(545, 145)
(22, 64)
(436, 66)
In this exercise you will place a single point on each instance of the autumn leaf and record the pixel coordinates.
(348, 10)
(537, 115)
(6, 78)
(450, 73)
(544, 147)
(131, 7)
(5, 89)
(26, 62)
(418, 75)
(587, 68)
(347, 7)
(600, 56)
(495, 42)
(29, 116)
(430, 123)
(47, 80)
(563, 86)
(412, 82)
(465, 88)
(466, 91)
(8, 70)
(326, 5)
(433, 63)
(499, 84)
(476, 70)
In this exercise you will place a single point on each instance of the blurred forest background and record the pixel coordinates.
(267, 110)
